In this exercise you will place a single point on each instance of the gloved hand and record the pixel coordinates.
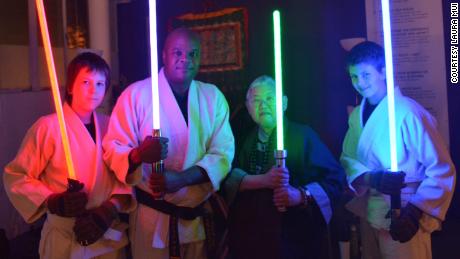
(157, 184)
(386, 182)
(92, 225)
(406, 226)
(168, 182)
(152, 149)
(68, 203)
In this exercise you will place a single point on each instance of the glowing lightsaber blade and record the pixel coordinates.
(396, 198)
(280, 152)
(154, 64)
(55, 91)
(157, 167)
(278, 80)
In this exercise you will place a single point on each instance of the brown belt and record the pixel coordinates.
(180, 212)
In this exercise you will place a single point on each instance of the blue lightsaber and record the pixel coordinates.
(395, 198)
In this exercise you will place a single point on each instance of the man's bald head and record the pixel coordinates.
(183, 32)
(181, 58)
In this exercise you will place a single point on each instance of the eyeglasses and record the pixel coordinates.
(258, 101)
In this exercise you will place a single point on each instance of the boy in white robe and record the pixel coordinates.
(80, 223)
(194, 117)
(427, 179)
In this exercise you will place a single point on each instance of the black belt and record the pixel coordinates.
(180, 212)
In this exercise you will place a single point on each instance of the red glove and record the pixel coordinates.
(67, 204)
(92, 225)
(157, 184)
(152, 149)
(406, 226)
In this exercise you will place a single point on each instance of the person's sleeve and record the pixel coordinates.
(121, 137)
(352, 166)
(231, 184)
(328, 186)
(21, 177)
(221, 146)
(423, 141)
(124, 193)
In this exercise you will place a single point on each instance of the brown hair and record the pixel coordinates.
(86, 60)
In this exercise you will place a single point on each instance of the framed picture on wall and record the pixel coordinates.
(221, 48)
(223, 38)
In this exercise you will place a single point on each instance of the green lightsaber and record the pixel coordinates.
(280, 153)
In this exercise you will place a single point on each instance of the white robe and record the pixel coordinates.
(39, 169)
(421, 154)
(207, 141)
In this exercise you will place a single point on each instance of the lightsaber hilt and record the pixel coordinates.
(158, 192)
(395, 201)
(280, 160)
(74, 185)
(395, 205)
